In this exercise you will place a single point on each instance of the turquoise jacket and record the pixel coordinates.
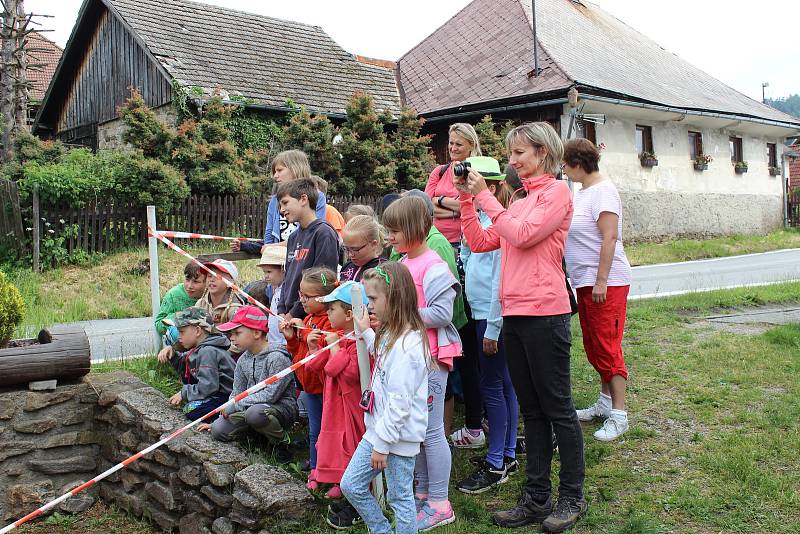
(482, 281)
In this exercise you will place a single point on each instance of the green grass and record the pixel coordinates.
(109, 287)
(694, 249)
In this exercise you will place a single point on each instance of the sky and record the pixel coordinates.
(740, 43)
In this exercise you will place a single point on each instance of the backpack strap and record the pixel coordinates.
(443, 169)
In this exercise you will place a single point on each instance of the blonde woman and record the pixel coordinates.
(287, 166)
(535, 306)
(462, 143)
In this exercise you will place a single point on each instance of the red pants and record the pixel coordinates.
(603, 326)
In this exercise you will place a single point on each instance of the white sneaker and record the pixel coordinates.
(613, 428)
(595, 411)
(463, 439)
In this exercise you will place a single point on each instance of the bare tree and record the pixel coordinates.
(14, 66)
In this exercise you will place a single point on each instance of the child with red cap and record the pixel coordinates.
(270, 411)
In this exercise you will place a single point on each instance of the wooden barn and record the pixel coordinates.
(154, 45)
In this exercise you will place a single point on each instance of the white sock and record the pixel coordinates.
(604, 401)
(619, 415)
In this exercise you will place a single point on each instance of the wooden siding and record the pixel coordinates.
(112, 63)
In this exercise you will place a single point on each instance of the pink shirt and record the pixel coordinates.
(437, 187)
(584, 240)
(531, 235)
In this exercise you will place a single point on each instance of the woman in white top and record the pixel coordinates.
(601, 274)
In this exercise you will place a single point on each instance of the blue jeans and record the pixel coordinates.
(314, 408)
(499, 399)
(400, 493)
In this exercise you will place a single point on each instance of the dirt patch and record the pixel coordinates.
(750, 321)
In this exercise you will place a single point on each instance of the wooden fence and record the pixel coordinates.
(794, 208)
(106, 226)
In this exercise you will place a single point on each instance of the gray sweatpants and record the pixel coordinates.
(432, 471)
(260, 417)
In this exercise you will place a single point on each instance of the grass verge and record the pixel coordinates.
(696, 249)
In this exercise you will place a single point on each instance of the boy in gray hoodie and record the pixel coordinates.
(270, 411)
(206, 368)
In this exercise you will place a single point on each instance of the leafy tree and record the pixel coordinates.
(789, 104)
(410, 151)
(314, 134)
(365, 149)
(199, 149)
(493, 137)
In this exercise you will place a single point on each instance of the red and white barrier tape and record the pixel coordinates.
(189, 235)
(244, 394)
(234, 287)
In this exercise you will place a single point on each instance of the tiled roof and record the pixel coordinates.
(266, 59)
(42, 52)
(597, 49)
(483, 53)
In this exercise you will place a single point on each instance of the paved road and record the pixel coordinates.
(116, 339)
(718, 273)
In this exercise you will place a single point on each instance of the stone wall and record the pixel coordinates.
(47, 446)
(648, 215)
(49, 442)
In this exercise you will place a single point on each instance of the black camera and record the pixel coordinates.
(461, 169)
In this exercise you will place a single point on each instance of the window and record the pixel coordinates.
(736, 149)
(695, 145)
(589, 131)
(644, 139)
(772, 155)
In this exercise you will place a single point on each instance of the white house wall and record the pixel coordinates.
(672, 198)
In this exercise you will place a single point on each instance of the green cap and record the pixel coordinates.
(488, 167)
(192, 316)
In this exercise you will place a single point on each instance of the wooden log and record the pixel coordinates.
(66, 356)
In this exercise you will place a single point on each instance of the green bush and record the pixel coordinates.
(147, 181)
(12, 308)
(75, 177)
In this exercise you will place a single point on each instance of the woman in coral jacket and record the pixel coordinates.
(535, 306)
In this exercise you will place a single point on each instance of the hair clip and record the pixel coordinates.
(324, 281)
(383, 274)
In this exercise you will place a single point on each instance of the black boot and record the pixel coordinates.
(528, 510)
(567, 512)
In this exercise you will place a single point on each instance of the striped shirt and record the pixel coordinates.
(584, 239)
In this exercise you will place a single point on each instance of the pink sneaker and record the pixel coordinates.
(429, 518)
(312, 484)
(335, 492)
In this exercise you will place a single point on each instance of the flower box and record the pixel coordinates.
(701, 166)
(774, 171)
(740, 167)
(648, 160)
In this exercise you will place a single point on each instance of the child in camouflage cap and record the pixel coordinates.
(206, 368)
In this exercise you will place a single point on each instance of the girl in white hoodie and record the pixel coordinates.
(395, 403)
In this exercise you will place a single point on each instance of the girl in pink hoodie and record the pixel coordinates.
(535, 305)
